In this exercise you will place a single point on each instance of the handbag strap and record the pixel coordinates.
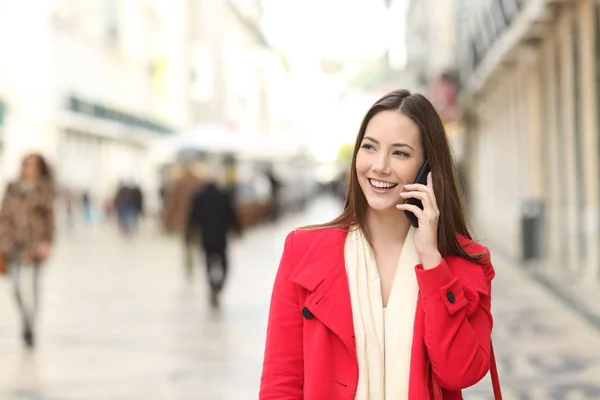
(494, 374)
(437, 389)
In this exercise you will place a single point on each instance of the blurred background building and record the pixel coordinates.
(518, 81)
(529, 82)
(101, 86)
(91, 84)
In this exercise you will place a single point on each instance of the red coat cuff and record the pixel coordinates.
(439, 283)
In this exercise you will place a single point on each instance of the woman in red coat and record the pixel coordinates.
(370, 306)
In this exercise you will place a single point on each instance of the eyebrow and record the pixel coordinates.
(393, 145)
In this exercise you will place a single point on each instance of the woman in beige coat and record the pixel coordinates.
(27, 233)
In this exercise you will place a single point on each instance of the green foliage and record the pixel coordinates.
(345, 153)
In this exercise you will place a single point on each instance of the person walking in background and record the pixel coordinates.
(127, 205)
(86, 204)
(275, 191)
(69, 202)
(213, 215)
(27, 234)
(177, 207)
(120, 204)
(138, 201)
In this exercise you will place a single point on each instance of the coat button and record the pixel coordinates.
(307, 314)
(451, 297)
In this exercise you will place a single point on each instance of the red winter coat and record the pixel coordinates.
(310, 350)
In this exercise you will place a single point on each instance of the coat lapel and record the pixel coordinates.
(322, 272)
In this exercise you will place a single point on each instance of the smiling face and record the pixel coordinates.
(389, 157)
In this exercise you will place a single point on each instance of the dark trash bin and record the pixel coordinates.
(532, 213)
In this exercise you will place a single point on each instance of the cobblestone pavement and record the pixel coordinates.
(120, 321)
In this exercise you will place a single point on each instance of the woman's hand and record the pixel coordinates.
(44, 250)
(426, 234)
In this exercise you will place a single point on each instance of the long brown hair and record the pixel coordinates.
(445, 179)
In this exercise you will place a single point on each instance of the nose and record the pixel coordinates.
(381, 164)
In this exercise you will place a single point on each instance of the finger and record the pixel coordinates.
(420, 214)
(424, 197)
(422, 188)
(426, 189)
(418, 186)
(429, 180)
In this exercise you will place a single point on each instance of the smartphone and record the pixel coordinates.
(422, 179)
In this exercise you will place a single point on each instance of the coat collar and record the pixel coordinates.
(322, 272)
(325, 253)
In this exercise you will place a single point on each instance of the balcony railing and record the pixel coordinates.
(494, 21)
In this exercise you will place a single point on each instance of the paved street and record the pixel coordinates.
(120, 322)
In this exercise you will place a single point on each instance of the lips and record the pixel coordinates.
(381, 186)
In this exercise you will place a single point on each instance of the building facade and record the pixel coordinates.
(432, 36)
(529, 98)
(89, 85)
(430, 41)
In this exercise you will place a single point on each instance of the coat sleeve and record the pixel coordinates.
(458, 321)
(6, 238)
(48, 197)
(4, 209)
(283, 368)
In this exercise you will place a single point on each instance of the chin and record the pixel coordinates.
(381, 205)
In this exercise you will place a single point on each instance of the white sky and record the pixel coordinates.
(347, 29)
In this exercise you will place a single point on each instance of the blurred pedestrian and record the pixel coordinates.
(137, 206)
(69, 202)
(127, 206)
(27, 234)
(86, 203)
(275, 194)
(212, 216)
(177, 208)
(138, 200)
(376, 304)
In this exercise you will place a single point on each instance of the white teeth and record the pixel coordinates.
(382, 185)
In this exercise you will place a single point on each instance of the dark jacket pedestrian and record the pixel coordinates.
(213, 216)
(137, 199)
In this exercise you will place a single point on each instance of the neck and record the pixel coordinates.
(387, 228)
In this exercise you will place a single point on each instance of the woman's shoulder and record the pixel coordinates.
(311, 233)
(313, 250)
(304, 237)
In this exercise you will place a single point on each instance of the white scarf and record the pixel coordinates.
(383, 342)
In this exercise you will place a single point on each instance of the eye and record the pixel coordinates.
(401, 153)
(367, 146)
